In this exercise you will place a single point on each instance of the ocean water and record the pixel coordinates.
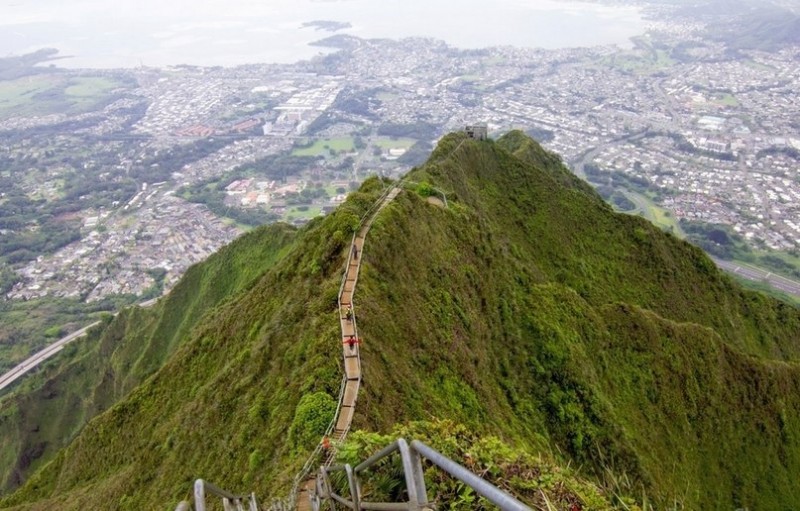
(127, 33)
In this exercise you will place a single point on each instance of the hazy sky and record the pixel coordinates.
(123, 32)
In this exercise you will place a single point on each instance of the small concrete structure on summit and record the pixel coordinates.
(477, 131)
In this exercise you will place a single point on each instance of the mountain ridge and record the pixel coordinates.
(526, 309)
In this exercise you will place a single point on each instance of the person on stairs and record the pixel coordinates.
(355, 251)
(352, 341)
(348, 314)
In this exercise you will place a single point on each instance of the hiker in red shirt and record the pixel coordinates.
(352, 341)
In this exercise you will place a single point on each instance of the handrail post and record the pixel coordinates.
(200, 495)
(481, 486)
(353, 488)
(408, 471)
(418, 476)
(328, 488)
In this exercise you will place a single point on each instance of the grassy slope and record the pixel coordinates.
(223, 404)
(49, 410)
(527, 310)
(534, 311)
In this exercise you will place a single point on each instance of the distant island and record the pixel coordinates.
(330, 26)
(339, 41)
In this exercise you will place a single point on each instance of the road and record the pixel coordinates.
(36, 359)
(586, 158)
(750, 272)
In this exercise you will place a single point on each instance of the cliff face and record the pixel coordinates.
(525, 309)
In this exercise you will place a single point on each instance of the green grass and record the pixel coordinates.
(644, 60)
(20, 92)
(759, 66)
(47, 94)
(766, 288)
(295, 212)
(322, 147)
(664, 219)
(726, 100)
(90, 87)
(391, 143)
(470, 78)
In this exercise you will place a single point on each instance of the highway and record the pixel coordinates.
(36, 359)
(750, 272)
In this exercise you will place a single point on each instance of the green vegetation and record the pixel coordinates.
(212, 192)
(325, 147)
(385, 96)
(254, 319)
(540, 481)
(647, 58)
(726, 100)
(770, 28)
(766, 288)
(527, 310)
(390, 143)
(543, 316)
(302, 212)
(91, 375)
(419, 130)
(42, 94)
(27, 326)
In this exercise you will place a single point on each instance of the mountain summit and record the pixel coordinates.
(497, 291)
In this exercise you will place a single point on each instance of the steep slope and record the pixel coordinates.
(52, 406)
(526, 309)
(222, 407)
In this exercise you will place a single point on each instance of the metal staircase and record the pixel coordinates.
(302, 488)
(411, 456)
(310, 492)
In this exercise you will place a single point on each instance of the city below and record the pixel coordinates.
(119, 180)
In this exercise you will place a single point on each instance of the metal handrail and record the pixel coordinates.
(441, 192)
(229, 500)
(291, 501)
(411, 457)
(481, 486)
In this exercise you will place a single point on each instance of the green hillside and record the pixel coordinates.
(526, 310)
(90, 375)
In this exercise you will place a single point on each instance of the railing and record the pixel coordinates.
(438, 190)
(411, 457)
(290, 502)
(230, 502)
